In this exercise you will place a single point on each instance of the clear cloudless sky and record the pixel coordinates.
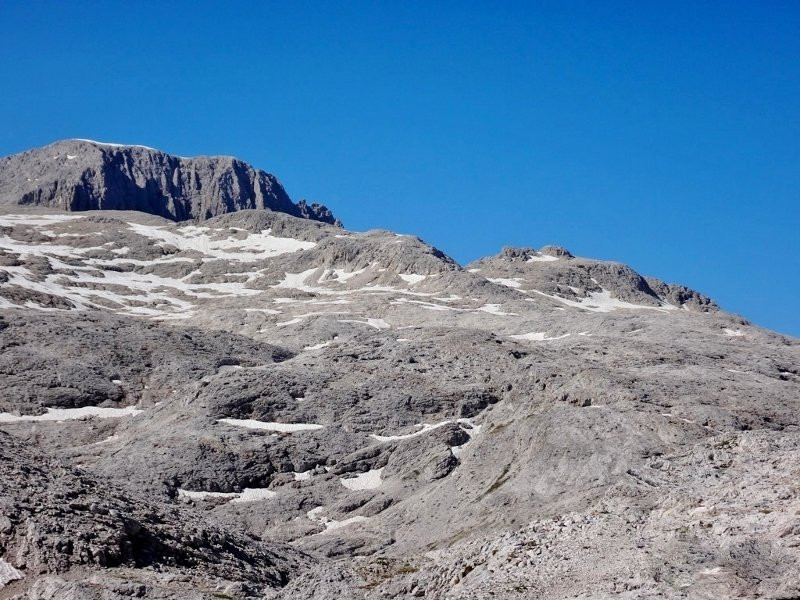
(661, 134)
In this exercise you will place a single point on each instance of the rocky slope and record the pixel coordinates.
(354, 415)
(68, 523)
(78, 175)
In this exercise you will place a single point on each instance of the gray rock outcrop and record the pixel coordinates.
(79, 175)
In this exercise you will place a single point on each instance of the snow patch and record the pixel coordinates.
(254, 495)
(337, 301)
(376, 323)
(512, 283)
(319, 346)
(192, 495)
(11, 220)
(299, 318)
(333, 524)
(426, 427)
(254, 246)
(315, 514)
(340, 275)
(538, 257)
(271, 425)
(364, 481)
(411, 278)
(299, 281)
(69, 414)
(733, 332)
(246, 495)
(156, 296)
(472, 430)
(539, 336)
(494, 309)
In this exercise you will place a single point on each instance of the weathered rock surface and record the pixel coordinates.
(68, 523)
(78, 175)
(284, 409)
(554, 270)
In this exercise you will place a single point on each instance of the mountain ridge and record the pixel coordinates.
(172, 188)
(79, 174)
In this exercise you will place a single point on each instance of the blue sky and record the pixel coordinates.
(662, 134)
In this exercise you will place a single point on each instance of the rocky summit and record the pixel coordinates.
(78, 175)
(209, 391)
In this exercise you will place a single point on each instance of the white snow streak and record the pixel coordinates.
(319, 346)
(603, 302)
(111, 145)
(246, 495)
(538, 336)
(271, 425)
(192, 495)
(376, 323)
(425, 429)
(68, 414)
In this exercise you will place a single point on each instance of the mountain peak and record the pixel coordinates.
(82, 174)
(107, 144)
(545, 253)
(555, 272)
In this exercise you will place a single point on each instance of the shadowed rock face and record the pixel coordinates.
(78, 175)
(69, 520)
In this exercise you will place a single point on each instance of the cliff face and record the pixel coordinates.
(79, 175)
